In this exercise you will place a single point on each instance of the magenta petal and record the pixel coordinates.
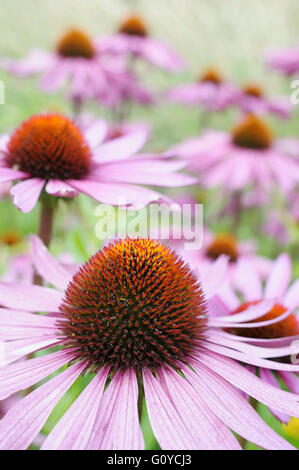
(291, 380)
(29, 298)
(23, 422)
(7, 174)
(25, 195)
(47, 266)
(60, 188)
(73, 430)
(24, 374)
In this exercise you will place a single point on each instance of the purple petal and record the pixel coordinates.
(25, 195)
(121, 148)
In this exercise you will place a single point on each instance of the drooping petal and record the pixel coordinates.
(239, 415)
(268, 376)
(24, 420)
(25, 194)
(47, 266)
(8, 174)
(14, 350)
(73, 430)
(60, 188)
(16, 324)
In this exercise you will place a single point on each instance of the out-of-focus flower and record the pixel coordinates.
(80, 63)
(265, 320)
(251, 99)
(285, 61)
(133, 312)
(49, 152)
(275, 227)
(236, 250)
(133, 39)
(248, 156)
(211, 92)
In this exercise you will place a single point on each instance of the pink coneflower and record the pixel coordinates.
(133, 39)
(226, 244)
(78, 61)
(134, 316)
(247, 156)
(252, 99)
(49, 153)
(276, 327)
(285, 61)
(211, 92)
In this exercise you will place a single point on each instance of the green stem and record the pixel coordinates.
(45, 229)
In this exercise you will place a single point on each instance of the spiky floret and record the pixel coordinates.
(282, 329)
(223, 244)
(76, 43)
(211, 75)
(252, 133)
(135, 303)
(134, 26)
(49, 146)
(252, 89)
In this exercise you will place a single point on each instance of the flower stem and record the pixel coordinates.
(45, 229)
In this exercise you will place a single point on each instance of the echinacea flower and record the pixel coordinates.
(133, 316)
(49, 152)
(216, 245)
(133, 39)
(79, 62)
(211, 92)
(252, 99)
(246, 157)
(266, 318)
(285, 61)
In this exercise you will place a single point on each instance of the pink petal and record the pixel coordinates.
(239, 415)
(29, 298)
(60, 188)
(215, 276)
(96, 133)
(21, 325)
(7, 174)
(47, 266)
(73, 430)
(23, 422)
(291, 297)
(121, 148)
(208, 431)
(248, 281)
(21, 375)
(268, 376)
(25, 195)
(291, 381)
(279, 277)
(17, 349)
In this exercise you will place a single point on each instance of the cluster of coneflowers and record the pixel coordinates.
(199, 338)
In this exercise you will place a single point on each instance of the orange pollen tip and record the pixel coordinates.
(76, 43)
(134, 26)
(252, 133)
(223, 244)
(10, 237)
(133, 304)
(253, 90)
(49, 146)
(282, 329)
(211, 75)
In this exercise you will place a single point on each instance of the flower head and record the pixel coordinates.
(50, 152)
(75, 43)
(133, 312)
(133, 26)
